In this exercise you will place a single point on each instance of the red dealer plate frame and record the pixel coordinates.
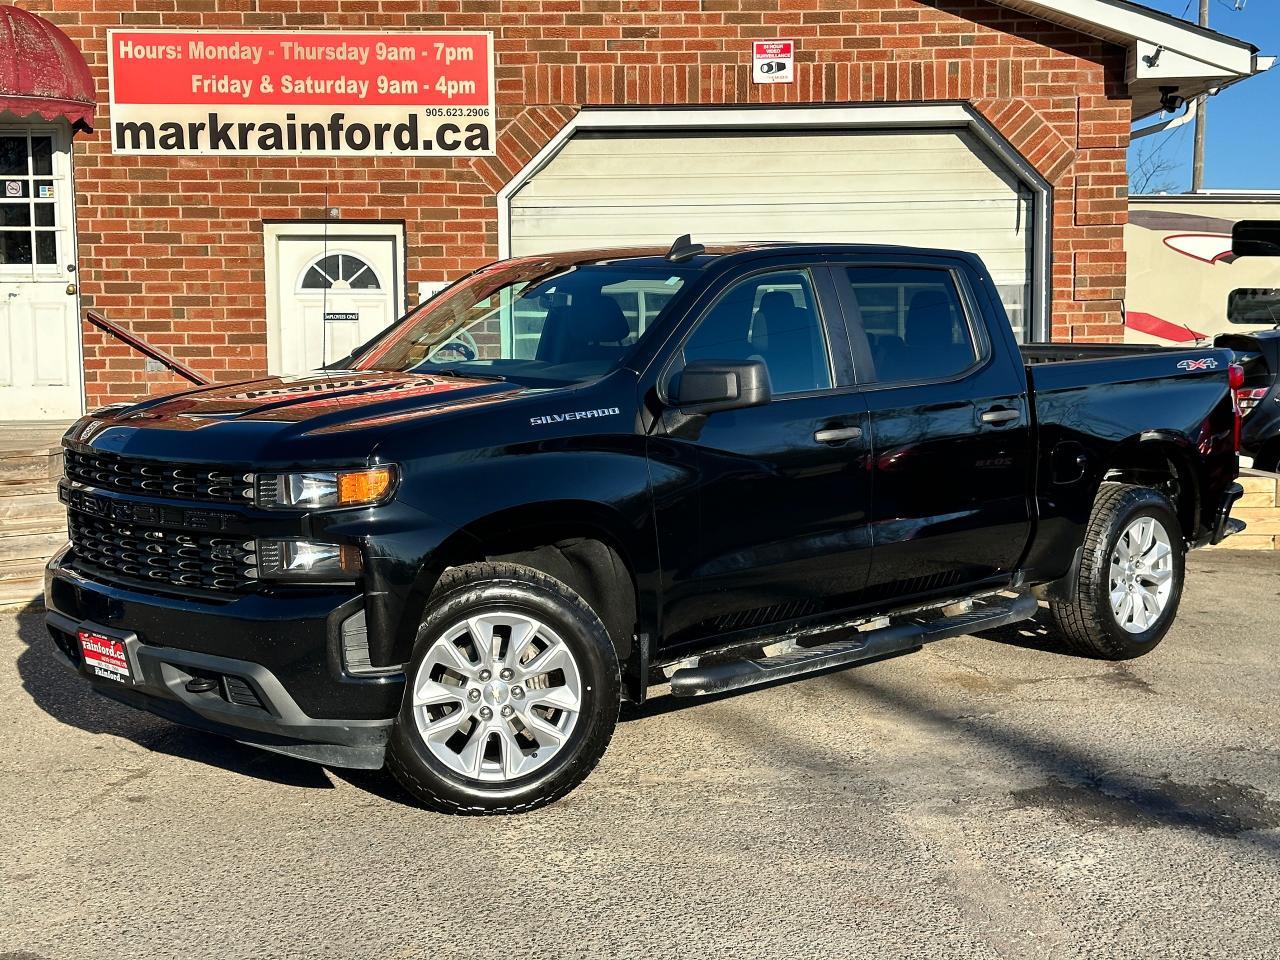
(105, 655)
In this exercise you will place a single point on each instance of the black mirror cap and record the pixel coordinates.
(709, 386)
(1256, 238)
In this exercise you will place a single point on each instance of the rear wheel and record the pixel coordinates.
(511, 696)
(1131, 573)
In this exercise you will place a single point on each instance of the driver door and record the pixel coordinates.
(763, 512)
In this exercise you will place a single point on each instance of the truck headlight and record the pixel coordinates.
(306, 560)
(320, 490)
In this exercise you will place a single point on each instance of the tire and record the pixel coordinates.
(533, 747)
(1090, 623)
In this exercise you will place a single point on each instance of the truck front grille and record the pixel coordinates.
(158, 556)
(156, 478)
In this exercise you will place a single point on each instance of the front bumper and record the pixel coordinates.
(274, 662)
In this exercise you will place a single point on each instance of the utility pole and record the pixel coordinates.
(1202, 105)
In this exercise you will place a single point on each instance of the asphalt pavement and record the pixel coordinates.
(985, 797)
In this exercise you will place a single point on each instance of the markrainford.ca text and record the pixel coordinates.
(337, 134)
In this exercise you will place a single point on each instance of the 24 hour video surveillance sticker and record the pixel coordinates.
(276, 93)
(773, 61)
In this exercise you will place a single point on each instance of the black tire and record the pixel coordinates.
(475, 588)
(1087, 623)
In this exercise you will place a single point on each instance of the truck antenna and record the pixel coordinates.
(684, 249)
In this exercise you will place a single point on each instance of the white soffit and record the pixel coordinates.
(1162, 49)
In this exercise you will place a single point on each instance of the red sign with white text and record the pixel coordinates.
(104, 656)
(273, 93)
(773, 61)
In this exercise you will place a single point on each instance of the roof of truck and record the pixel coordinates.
(723, 254)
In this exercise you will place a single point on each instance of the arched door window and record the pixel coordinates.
(339, 271)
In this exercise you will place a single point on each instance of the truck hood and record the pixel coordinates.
(260, 418)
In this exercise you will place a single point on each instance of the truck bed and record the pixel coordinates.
(1033, 353)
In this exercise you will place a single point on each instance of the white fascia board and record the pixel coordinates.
(1150, 61)
(1118, 20)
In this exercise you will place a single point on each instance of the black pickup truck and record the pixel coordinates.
(570, 478)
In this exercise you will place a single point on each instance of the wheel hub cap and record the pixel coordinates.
(496, 696)
(1141, 574)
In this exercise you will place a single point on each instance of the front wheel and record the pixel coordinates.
(1131, 573)
(512, 693)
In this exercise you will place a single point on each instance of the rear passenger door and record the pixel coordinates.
(950, 429)
(762, 512)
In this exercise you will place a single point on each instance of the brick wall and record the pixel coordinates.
(173, 246)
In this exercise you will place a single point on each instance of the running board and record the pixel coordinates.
(987, 613)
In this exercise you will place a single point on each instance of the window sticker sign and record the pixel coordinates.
(773, 61)
(266, 93)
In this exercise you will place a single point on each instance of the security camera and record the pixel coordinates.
(1170, 102)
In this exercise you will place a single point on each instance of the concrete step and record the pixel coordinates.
(1247, 541)
(1260, 509)
(1258, 484)
(21, 592)
(24, 488)
(28, 569)
(29, 508)
(15, 467)
(34, 540)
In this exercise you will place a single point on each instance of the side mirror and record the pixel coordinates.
(1256, 238)
(708, 386)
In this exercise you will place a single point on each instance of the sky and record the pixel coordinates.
(1242, 139)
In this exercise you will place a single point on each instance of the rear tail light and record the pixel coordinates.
(1235, 376)
(1248, 398)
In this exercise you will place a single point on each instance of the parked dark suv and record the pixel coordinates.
(569, 478)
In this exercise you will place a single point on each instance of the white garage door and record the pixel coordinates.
(941, 188)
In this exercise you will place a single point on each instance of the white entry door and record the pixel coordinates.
(40, 374)
(329, 290)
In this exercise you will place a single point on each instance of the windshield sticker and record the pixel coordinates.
(574, 415)
(1208, 363)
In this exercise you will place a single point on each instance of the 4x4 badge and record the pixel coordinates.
(1208, 363)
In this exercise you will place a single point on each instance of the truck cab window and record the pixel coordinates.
(771, 317)
(914, 322)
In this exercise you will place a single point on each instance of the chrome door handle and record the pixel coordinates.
(1000, 415)
(838, 434)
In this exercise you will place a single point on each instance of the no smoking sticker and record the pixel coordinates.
(773, 61)
(13, 188)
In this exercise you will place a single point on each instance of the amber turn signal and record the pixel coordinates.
(363, 486)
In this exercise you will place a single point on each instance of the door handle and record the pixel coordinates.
(838, 434)
(1000, 415)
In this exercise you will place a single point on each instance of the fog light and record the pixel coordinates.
(306, 560)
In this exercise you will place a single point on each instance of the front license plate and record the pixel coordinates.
(105, 657)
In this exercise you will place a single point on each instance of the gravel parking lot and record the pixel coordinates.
(986, 797)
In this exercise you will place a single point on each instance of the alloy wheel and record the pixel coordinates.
(1141, 575)
(497, 696)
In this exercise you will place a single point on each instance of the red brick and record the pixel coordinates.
(176, 244)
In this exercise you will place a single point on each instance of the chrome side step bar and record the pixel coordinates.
(911, 632)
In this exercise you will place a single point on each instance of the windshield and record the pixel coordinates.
(532, 320)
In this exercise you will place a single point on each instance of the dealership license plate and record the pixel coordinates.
(105, 656)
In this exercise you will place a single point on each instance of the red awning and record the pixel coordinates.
(42, 72)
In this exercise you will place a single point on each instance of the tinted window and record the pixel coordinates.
(540, 321)
(1254, 305)
(771, 317)
(914, 322)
